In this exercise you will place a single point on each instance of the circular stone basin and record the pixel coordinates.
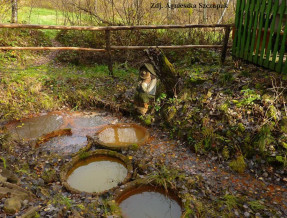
(117, 136)
(148, 201)
(96, 172)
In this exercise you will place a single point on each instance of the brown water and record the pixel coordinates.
(149, 203)
(81, 123)
(121, 136)
(97, 174)
(37, 126)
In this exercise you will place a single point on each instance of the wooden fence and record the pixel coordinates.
(260, 33)
(108, 47)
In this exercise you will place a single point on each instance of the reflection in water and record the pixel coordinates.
(150, 204)
(65, 144)
(88, 121)
(121, 136)
(97, 174)
(36, 126)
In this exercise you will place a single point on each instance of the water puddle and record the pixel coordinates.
(97, 174)
(65, 144)
(147, 202)
(80, 123)
(122, 135)
(35, 127)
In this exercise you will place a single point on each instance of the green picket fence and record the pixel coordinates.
(260, 33)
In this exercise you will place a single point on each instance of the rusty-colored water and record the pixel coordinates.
(121, 136)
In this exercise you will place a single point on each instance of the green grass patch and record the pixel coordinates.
(47, 88)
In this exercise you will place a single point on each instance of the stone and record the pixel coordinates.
(12, 205)
(31, 212)
(2, 179)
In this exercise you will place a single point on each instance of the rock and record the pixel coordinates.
(246, 214)
(3, 179)
(31, 212)
(12, 205)
(10, 176)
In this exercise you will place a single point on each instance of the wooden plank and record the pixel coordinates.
(167, 47)
(243, 36)
(255, 24)
(275, 9)
(279, 65)
(103, 28)
(53, 48)
(259, 30)
(251, 21)
(276, 46)
(242, 6)
(237, 23)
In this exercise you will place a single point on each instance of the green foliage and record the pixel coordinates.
(256, 205)
(4, 162)
(230, 201)
(282, 160)
(226, 78)
(159, 100)
(166, 177)
(225, 153)
(249, 96)
(238, 164)
(264, 137)
(60, 199)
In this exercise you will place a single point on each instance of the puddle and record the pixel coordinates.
(147, 202)
(97, 174)
(36, 127)
(81, 124)
(65, 144)
(122, 135)
(89, 121)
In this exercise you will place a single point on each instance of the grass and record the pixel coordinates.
(46, 87)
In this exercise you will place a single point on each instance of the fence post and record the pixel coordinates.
(108, 49)
(225, 44)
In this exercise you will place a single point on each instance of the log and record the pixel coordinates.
(164, 70)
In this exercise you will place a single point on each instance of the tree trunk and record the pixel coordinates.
(14, 17)
(164, 70)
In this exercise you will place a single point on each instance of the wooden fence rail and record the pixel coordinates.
(108, 47)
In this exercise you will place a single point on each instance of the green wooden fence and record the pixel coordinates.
(260, 33)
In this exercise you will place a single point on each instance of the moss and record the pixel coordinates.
(225, 153)
(224, 107)
(272, 113)
(283, 125)
(241, 127)
(238, 164)
(147, 119)
(83, 155)
(256, 205)
(49, 176)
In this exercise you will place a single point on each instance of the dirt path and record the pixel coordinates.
(45, 59)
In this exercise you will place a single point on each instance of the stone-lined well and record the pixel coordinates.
(121, 136)
(96, 172)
